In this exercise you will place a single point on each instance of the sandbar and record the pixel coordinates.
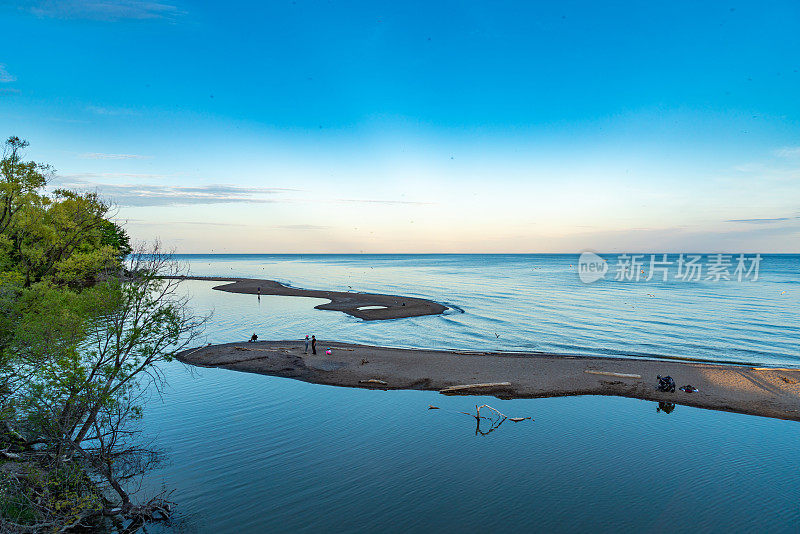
(366, 306)
(763, 391)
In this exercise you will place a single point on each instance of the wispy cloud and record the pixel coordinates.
(98, 178)
(164, 195)
(110, 111)
(762, 221)
(378, 201)
(5, 76)
(99, 155)
(201, 223)
(140, 222)
(8, 90)
(788, 229)
(772, 173)
(104, 10)
(302, 227)
(787, 152)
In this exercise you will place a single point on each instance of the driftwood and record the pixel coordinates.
(341, 348)
(463, 387)
(273, 349)
(609, 373)
(496, 421)
(498, 412)
(373, 381)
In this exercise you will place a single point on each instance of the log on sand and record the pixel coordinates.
(470, 387)
(609, 373)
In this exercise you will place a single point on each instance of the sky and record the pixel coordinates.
(414, 127)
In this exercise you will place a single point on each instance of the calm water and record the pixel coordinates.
(250, 453)
(536, 303)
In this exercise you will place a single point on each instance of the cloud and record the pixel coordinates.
(110, 111)
(302, 227)
(162, 195)
(103, 10)
(787, 152)
(777, 238)
(789, 229)
(375, 201)
(91, 178)
(762, 172)
(140, 222)
(99, 155)
(5, 76)
(761, 221)
(8, 91)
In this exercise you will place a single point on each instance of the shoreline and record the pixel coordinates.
(762, 391)
(389, 306)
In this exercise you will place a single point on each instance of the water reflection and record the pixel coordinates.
(493, 421)
(253, 453)
(665, 407)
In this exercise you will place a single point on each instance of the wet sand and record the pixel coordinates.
(390, 306)
(768, 392)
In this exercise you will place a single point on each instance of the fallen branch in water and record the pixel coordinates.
(498, 412)
(495, 421)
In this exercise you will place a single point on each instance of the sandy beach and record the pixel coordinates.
(378, 306)
(768, 392)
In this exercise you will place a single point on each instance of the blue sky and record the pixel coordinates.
(418, 126)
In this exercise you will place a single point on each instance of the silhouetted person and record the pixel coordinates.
(665, 383)
(306, 351)
(313, 344)
(253, 338)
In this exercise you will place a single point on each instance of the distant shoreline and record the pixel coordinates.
(762, 391)
(385, 306)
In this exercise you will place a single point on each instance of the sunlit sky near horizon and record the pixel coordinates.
(458, 126)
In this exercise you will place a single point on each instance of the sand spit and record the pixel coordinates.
(366, 306)
(768, 392)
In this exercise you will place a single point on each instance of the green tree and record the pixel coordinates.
(85, 322)
(19, 181)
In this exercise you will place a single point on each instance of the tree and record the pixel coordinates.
(19, 181)
(66, 237)
(85, 322)
(100, 351)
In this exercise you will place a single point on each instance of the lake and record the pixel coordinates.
(256, 453)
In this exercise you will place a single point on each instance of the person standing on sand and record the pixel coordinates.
(313, 344)
(306, 351)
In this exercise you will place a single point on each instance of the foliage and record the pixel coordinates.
(37, 499)
(19, 181)
(84, 322)
(65, 237)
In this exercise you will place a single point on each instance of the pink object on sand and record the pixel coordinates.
(329, 352)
